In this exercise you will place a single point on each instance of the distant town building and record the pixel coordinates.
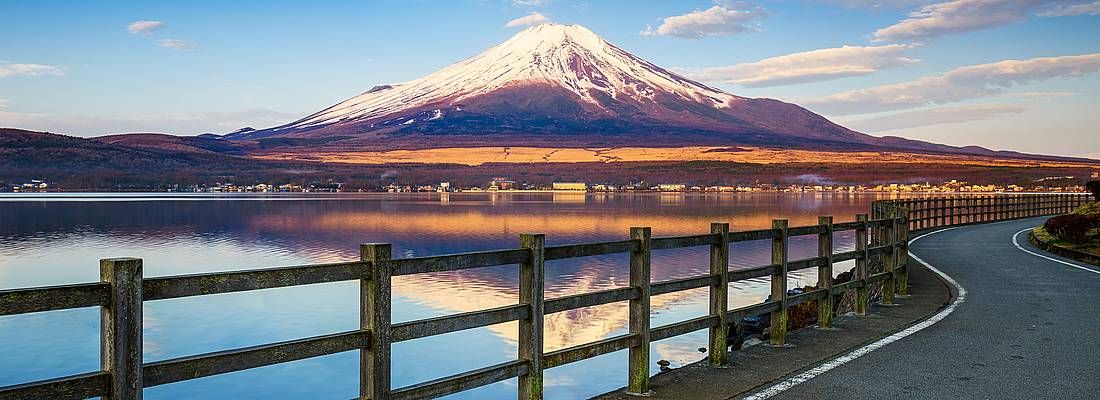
(502, 184)
(569, 186)
(671, 187)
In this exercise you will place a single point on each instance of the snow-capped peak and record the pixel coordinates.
(566, 56)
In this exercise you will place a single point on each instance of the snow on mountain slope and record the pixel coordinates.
(556, 79)
(569, 56)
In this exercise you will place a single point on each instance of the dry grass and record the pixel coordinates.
(753, 155)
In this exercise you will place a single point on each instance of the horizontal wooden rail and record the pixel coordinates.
(684, 241)
(170, 287)
(879, 255)
(589, 350)
(751, 273)
(590, 299)
(683, 327)
(751, 310)
(221, 362)
(49, 298)
(82, 386)
(748, 236)
(678, 285)
(454, 262)
(590, 249)
(461, 382)
(453, 323)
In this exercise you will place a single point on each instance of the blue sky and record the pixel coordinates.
(920, 69)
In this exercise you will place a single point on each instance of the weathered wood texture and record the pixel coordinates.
(531, 278)
(825, 272)
(638, 357)
(719, 293)
(120, 325)
(49, 298)
(374, 316)
(203, 365)
(778, 334)
(122, 291)
(82, 386)
(863, 292)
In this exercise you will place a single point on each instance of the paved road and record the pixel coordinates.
(1028, 328)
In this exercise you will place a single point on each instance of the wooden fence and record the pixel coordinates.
(122, 289)
(935, 212)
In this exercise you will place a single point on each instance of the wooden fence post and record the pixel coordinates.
(531, 275)
(374, 315)
(120, 325)
(863, 293)
(903, 250)
(951, 210)
(825, 273)
(942, 211)
(719, 293)
(638, 379)
(889, 259)
(778, 334)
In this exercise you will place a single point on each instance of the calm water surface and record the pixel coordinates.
(58, 239)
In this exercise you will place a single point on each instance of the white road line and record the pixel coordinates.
(1017, 243)
(836, 362)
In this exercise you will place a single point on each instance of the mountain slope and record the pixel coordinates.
(559, 80)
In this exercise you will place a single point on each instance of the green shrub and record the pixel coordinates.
(1091, 209)
(1073, 228)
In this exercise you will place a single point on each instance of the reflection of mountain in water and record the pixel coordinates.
(330, 230)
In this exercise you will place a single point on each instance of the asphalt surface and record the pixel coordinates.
(760, 365)
(1028, 328)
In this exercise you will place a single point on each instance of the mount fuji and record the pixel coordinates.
(559, 84)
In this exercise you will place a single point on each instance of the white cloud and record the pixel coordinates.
(958, 16)
(715, 21)
(7, 70)
(1038, 94)
(177, 44)
(1066, 10)
(876, 4)
(178, 123)
(959, 84)
(530, 3)
(144, 27)
(528, 20)
(933, 116)
(809, 66)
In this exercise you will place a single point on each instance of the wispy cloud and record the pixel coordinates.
(1039, 94)
(956, 16)
(534, 18)
(876, 4)
(1067, 10)
(809, 66)
(177, 44)
(530, 3)
(144, 27)
(933, 116)
(7, 70)
(176, 123)
(959, 84)
(715, 21)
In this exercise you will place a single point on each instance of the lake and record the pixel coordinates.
(53, 239)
